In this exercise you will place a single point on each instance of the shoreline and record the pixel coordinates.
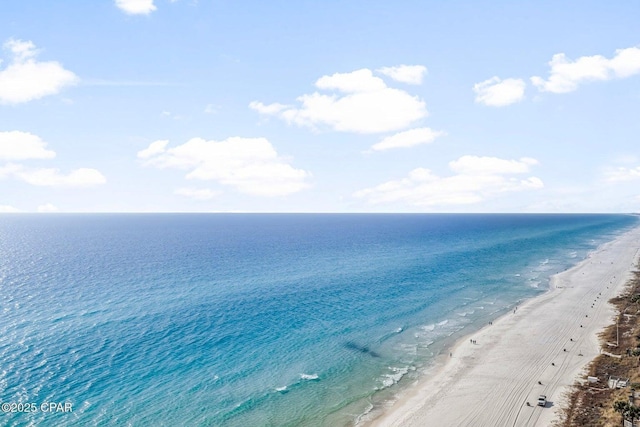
(550, 338)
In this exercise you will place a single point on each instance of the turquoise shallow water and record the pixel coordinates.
(255, 320)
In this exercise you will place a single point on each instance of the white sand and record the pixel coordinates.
(489, 383)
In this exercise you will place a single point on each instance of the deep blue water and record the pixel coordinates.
(255, 320)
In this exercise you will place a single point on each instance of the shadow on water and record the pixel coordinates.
(362, 349)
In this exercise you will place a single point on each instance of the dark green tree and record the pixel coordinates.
(634, 413)
(623, 407)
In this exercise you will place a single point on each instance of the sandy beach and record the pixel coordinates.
(492, 374)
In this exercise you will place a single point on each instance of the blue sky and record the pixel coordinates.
(309, 106)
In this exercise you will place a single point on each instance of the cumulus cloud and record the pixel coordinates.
(566, 75)
(359, 102)
(9, 170)
(410, 74)
(621, 174)
(408, 138)
(136, 7)
(271, 109)
(52, 177)
(197, 193)
(476, 179)
(475, 165)
(47, 208)
(8, 209)
(155, 148)
(353, 82)
(16, 145)
(499, 93)
(26, 79)
(251, 165)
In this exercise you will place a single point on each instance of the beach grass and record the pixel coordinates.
(592, 403)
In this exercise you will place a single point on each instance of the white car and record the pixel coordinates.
(542, 400)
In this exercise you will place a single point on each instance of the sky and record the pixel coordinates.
(319, 106)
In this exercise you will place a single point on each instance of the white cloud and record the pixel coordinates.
(475, 165)
(353, 82)
(47, 208)
(197, 193)
(16, 145)
(21, 50)
(171, 115)
(498, 93)
(26, 79)
(411, 74)
(566, 75)
(251, 165)
(8, 209)
(155, 148)
(9, 169)
(626, 62)
(621, 174)
(51, 177)
(271, 109)
(136, 7)
(211, 109)
(473, 183)
(363, 104)
(408, 138)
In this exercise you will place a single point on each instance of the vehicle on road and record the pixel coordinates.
(542, 400)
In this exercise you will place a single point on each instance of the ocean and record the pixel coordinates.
(255, 319)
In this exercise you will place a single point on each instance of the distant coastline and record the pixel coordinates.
(550, 338)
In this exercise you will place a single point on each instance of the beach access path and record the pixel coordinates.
(550, 339)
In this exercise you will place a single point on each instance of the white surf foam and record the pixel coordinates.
(309, 377)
